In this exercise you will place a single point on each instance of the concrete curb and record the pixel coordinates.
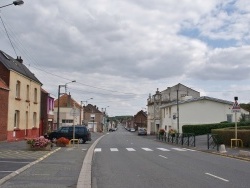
(84, 179)
(13, 174)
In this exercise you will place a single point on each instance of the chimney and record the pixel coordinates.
(69, 100)
(19, 59)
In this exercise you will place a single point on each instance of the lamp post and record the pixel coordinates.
(157, 101)
(82, 108)
(17, 2)
(58, 101)
(104, 118)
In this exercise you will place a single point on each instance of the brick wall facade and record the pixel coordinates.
(4, 98)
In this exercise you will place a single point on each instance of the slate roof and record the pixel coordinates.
(12, 64)
(198, 99)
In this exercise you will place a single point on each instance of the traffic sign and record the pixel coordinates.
(236, 107)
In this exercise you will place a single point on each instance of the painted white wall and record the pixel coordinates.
(198, 112)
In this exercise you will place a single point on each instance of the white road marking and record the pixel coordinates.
(163, 156)
(147, 149)
(178, 149)
(188, 149)
(113, 149)
(130, 149)
(217, 177)
(163, 149)
(97, 150)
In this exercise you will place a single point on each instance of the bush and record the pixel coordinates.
(62, 141)
(161, 131)
(206, 128)
(39, 142)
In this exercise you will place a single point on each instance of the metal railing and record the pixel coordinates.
(184, 139)
(213, 140)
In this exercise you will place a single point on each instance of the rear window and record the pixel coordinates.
(81, 129)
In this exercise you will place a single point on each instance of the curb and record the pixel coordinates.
(13, 174)
(84, 179)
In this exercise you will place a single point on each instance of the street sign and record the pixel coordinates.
(74, 112)
(236, 107)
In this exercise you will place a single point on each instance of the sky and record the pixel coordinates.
(120, 51)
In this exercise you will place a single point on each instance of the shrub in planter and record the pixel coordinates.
(161, 132)
(62, 142)
(39, 143)
(172, 132)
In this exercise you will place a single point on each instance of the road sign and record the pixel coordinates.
(74, 112)
(236, 107)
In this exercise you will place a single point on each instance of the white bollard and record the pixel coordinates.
(222, 148)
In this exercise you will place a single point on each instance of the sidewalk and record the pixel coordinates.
(60, 169)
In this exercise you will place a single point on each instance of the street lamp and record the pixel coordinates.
(17, 2)
(82, 108)
(58, 101)
(104, 118)
(157, 100)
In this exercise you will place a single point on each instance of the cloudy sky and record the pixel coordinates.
(119, 51)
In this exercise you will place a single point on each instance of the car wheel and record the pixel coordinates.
(81, 141)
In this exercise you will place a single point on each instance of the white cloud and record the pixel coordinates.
(132, 46)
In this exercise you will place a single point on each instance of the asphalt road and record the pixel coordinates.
(123, 159)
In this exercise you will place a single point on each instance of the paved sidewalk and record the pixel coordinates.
(60, 169)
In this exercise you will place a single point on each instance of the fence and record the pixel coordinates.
(184, 139)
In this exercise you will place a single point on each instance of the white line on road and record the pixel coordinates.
(113, 149)
(188, 149)
(217, 177)
(98, 149)
(147, 149)
(179, 149)
(163, 149)
(130, 149)
(163, 156)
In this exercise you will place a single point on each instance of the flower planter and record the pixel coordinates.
(47, 148)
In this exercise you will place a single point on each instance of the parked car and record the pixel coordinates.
(132, 130)
(142, 131)
(81, 132)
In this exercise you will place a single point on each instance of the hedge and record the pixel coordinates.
(206, 128)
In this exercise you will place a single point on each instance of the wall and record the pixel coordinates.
(4, 95)
(26, 127)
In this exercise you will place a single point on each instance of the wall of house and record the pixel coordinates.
(26, 107)
(4, 98)
(198, 112)
(4, 74)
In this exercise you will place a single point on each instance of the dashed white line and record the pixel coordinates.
(98, 150)
(147, 149)
(130, 149)
(113, 149)
(217, 177)
(178, 149)
(163, 149)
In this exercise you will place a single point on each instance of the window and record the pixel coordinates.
(229, 118)
(18, 89)
(28, 93)
(34, 119)
(67, 121)
(170, 112)
(35, 95)
(16, 119)
(26, 122)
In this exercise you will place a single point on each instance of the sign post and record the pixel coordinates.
(235, 110)
(74, 112)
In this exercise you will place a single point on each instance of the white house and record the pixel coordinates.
(201, 110)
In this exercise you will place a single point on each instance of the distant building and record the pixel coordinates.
(140, 119)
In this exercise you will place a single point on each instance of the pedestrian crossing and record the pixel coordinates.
(143, 149)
